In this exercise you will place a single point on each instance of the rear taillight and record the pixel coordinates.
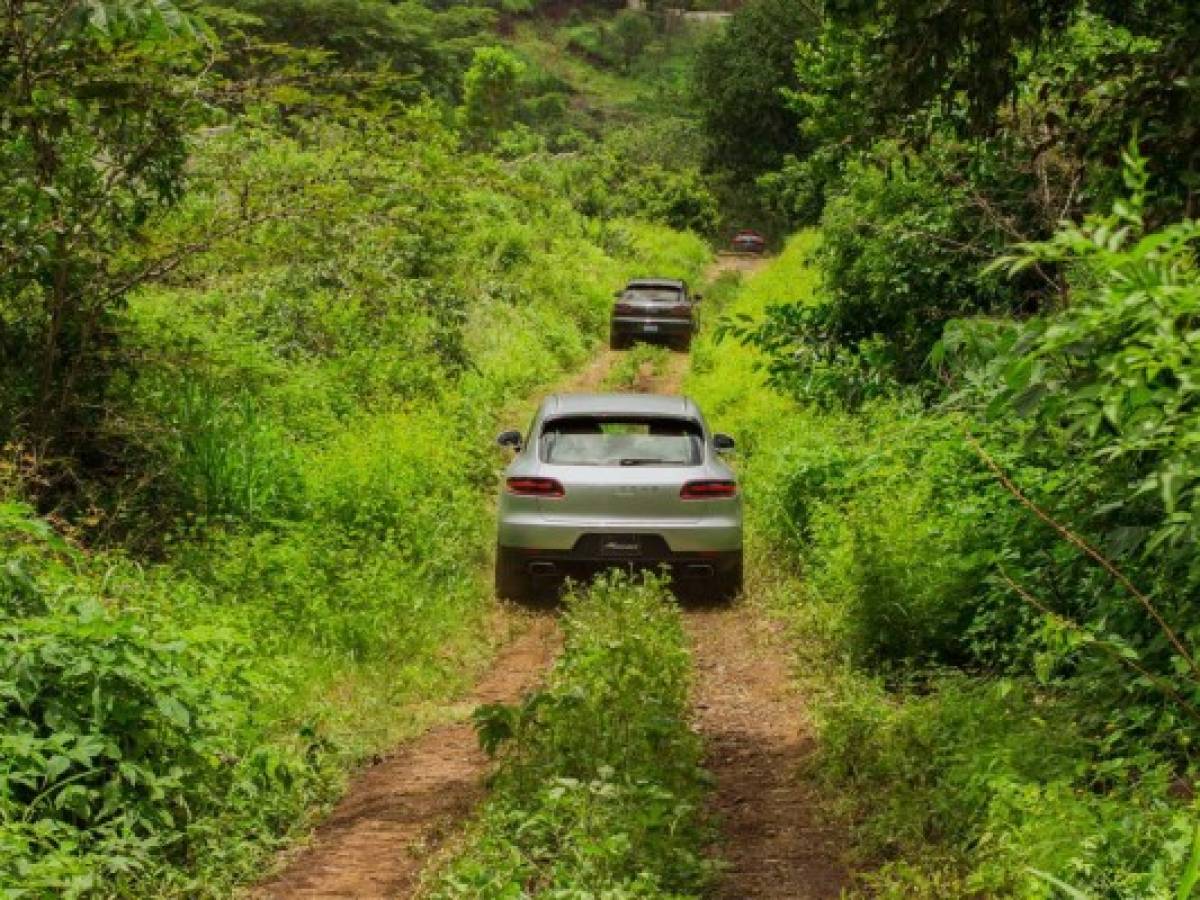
(623, 309)
(681, 310)
(536, 487)
(708, 490)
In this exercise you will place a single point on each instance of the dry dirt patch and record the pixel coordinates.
(774, 838)
(402, 810)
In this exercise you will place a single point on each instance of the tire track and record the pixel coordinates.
(775, 841)
(401, 811)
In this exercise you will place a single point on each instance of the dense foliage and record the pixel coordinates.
(96, 105)
(599, 786)
(929, 136)
(742, 76)
(270, 270)
(283, 291)
(1009, 577)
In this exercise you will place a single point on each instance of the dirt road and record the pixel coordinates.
(400, 812)
(774, 839)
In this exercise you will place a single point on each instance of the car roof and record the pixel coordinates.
(655, 282)
(559, 405)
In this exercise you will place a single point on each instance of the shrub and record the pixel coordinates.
(599, 785)
(490, 91)
(985, 748)
(124, 740)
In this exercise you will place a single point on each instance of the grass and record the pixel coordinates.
(630, 369)
(654, 86)
(299, 579)
(958, 783)
(599, 787)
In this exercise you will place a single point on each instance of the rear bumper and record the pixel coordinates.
(584, 564)
(713, 533)
(650, 328)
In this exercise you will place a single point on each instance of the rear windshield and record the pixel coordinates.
(654, 294)
(622, 441)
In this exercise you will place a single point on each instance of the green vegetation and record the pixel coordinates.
(630, 370)
(252, 364)
(985, 483)
(599, 787)
(270, 271)
(999, 707)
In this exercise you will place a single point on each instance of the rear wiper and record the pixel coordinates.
(637, 461)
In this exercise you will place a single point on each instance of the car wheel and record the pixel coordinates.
(683, 344)
(513, 582)
(618, 341)
(728, 585)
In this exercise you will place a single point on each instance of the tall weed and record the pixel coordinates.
(598, 790)
(974, 739)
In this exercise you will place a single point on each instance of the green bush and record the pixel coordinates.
(984, 747)
(979, 788)
(126, 738)
(599, 786)
(902, 245)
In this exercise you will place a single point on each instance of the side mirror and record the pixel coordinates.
(510, 439)
(618, 294)
(697, 297)
(723, 443)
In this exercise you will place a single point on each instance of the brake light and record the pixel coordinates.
(623, 309)
(681, 310)
(536, 487)
(708, 490)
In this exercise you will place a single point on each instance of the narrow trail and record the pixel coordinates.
(746, 263)
(775, 841)
(401, 811)
(757, 740)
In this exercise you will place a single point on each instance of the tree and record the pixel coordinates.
(963, 63)
(490, 91)
(632, 32)
(740, 80)
(418, 49)
(96, 103)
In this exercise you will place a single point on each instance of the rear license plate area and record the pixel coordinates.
(621, 545)
(649, 328)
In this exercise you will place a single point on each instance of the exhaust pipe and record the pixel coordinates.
(542, 568)
(699, 570)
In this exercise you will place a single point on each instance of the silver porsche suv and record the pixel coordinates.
(619, 480)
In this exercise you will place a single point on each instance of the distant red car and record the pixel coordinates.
(748, 241)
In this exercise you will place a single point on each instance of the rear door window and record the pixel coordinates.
(622, 441)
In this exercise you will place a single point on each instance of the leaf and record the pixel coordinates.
(1072, 892)
(56, 765)
(174, 711)
(1191, 873)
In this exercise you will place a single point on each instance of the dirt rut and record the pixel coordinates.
(399, 812)
(774, 840)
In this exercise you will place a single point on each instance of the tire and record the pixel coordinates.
(618, 341)
(728, 585)
(512, 581)
(683, 344)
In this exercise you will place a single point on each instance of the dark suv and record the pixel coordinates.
(654, 309)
